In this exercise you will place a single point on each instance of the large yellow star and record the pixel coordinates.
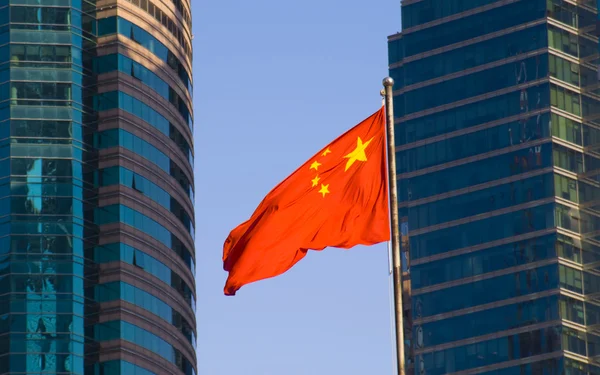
(315, 165)
(358, 153)
(316, 181)
(324, 189)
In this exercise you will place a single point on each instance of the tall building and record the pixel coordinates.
(498, 133)
(96, 187)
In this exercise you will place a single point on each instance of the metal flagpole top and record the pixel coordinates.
(388, 81)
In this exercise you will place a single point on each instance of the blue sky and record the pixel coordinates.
(274, 82)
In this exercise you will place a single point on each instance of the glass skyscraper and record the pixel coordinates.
(96, 188)
(498, 150)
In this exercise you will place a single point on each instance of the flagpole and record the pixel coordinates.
(388, 84)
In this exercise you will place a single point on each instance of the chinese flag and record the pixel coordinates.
(338, 198)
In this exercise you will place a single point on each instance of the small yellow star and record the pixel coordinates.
(315, 165)
(358, 153)
(316, 181)
(324, 189)
(328, 151)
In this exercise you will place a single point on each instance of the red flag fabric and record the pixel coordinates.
(338, 198)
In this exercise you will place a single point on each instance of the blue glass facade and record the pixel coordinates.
(44, 108)
(497, 132)
(96, 188)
